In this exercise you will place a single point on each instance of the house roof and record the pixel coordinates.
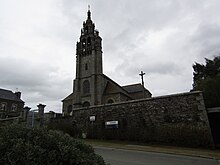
(119, 88)
(133, 88)
(68, 97)
(9, 95)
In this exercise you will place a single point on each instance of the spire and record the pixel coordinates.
(89, 13)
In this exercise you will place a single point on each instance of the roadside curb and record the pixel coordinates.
(157, 150)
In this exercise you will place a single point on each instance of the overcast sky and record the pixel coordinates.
(161, 37)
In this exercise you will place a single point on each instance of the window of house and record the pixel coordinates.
(86, 87)
(110, 101)
(3, 106)
(14, 107)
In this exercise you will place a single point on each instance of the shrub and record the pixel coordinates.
(67, 125)
(24, 146)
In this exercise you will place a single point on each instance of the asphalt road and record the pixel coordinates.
(130, 157)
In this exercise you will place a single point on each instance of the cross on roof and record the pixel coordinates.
(142, 77)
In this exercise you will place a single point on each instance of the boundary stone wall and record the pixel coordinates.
(179, 119)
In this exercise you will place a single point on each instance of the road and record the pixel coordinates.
(130, 157)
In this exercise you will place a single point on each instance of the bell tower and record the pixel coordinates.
(88, 65)
(89, 50)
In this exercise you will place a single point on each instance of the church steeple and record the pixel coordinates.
(89, 49)
(88, 65)
(89, 13)
(88, 25)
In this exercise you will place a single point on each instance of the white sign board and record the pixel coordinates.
(92, 118)
(111, 123)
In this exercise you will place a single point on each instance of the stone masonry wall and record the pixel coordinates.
(179, 119)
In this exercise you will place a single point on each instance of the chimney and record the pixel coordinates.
(18, 94)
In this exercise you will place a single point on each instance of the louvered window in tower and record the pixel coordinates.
(86, 87)
(88, 41)
(83, 42)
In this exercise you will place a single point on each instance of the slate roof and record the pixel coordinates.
(133, 88)
(120, 89)
(9, 95)
(68, 97)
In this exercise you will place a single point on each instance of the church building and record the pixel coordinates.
(91, 87)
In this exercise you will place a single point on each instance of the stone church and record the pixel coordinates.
(91, 87)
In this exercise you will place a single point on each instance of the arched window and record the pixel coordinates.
(86, 87)
(83, 43)
(3, 106)
(69, 109)
(110, 101)
(86, 66)
(88, 41)
(86, 29)
(14, 107)
(86, 104)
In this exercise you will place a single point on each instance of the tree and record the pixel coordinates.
(207, 79)
(23, 146)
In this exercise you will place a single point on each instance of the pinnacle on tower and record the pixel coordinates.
(89, 13)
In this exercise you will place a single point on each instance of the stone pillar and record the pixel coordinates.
(41, 113)
(25, 113)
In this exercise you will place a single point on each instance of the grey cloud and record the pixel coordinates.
(50, 35)
(206, 40)
(23, 72)
(158, 68)
(38, 82)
